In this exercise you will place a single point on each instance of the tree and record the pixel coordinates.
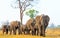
(31, 13)
(23, 4)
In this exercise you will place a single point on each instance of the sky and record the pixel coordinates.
(47, 7)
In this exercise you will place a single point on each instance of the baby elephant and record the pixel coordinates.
(5, 28)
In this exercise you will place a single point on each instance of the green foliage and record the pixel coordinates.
(31, 13)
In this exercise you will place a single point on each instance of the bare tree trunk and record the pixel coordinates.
(20, 12)
(21, 17)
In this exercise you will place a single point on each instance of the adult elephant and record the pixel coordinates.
(28, 27)
(44, 23)
(33, 25)
(23, 29)
(14, 25)
(38, 25)
(6, 28)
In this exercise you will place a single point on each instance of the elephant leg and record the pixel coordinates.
(19, 30)
(28, 31)
(14, 31)
(43, 31)
(32, 32)
(24, 32)
(45, 27)
(39, 30)
(10, 31)
(35, 31)
(3, 31)
(6, 31)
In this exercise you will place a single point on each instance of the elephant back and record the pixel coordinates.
(14, 23)
(28, 24)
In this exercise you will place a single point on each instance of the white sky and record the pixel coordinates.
(49, 7)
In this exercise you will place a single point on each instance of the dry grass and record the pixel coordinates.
(50, 33)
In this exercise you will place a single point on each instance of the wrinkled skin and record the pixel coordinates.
(6, 28)
(14, 25)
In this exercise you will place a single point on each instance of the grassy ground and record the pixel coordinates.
(50, 33)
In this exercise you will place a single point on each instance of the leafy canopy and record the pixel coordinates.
(31, 13)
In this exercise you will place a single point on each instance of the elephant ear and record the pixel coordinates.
(41, 20)
(37, 19)
(48, 18)
(28, 23)
(45, 19)
(33, 23)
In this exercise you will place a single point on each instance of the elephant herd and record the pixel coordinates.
(36, 26)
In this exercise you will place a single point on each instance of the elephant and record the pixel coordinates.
(28, 27)
(14, 25)
(37, 25)
(44, 23)
(6, 28)
(24, 29)
(33, 27)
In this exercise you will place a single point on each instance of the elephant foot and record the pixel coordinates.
(3, 32)
(10, 33)
(33, 34)
(41, 34)
(37, 34)
(14, 34)
(19, 33)
(6, 33)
